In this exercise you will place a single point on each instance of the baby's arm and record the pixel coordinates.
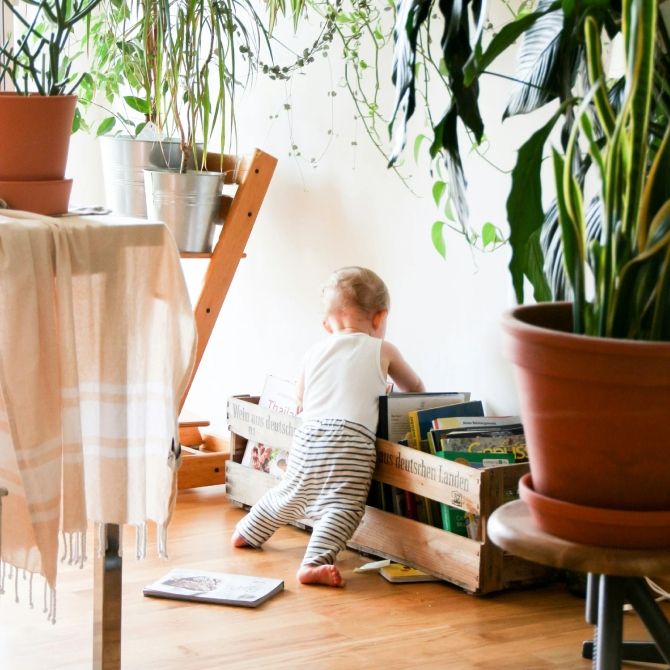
(399, 370)
(299, 391)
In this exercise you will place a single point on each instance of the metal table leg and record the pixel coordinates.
(107, 602)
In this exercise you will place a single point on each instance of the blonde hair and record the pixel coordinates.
(354, 287)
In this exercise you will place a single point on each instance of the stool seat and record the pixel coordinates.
(615, 577)
(511, 527)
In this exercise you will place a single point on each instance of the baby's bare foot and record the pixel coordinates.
(328, 575)
(238, 541)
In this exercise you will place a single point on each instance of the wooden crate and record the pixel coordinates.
(478, 566)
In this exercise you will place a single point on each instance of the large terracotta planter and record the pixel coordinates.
(35, 135)
(596, 414)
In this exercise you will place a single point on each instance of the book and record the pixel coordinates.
(500, 441)
(278, 395)
(393, 425)
(437, 435)
(421, 420)
(398, 573)
(394, 407)
(214, 587)
(461, 422)
(457, 520)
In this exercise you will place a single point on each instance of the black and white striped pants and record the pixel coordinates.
(327, 480)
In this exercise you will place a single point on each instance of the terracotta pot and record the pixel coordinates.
(595, 411)
(35, 135)
(47, 197)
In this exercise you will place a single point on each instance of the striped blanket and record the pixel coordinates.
(97, 343)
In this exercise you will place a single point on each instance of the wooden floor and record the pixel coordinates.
(369, 624)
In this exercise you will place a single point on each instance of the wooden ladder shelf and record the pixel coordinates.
(252, 175)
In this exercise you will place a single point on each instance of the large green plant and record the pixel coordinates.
(552, 59)
(35, 57)
(630, 260)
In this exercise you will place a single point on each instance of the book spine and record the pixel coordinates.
(414, 432)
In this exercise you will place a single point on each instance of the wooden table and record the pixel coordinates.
(93, 265)
(615, 576)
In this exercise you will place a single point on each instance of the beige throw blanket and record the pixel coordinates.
(97, 343)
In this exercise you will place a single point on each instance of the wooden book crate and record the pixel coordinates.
(479, 567)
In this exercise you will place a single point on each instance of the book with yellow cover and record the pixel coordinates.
(396, 572)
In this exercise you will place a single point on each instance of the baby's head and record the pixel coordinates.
(355, 289)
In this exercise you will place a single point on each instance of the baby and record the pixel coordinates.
(333, 454)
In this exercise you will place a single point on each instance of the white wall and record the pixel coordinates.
(350, 209)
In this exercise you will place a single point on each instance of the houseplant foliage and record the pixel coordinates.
(38, 105)
(36, 59)
(177, 64)
(552, 61)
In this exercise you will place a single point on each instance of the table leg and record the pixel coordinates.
(609, 630)
(107, 602)
(653, 618)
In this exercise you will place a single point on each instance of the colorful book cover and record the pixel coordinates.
(278, 395)
(497, 442)
(421, 421)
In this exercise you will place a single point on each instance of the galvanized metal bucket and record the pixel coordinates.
(124, 160)
(189, 204)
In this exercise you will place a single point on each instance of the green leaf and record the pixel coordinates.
(501, 43)
(524, 204)
(489, 234)
(138, 104)
(76, 122)
(418, 141)
(437, 237)
(105, 126)
(439, 188)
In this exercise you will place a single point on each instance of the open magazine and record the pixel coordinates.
(214, 587)
(278, 395)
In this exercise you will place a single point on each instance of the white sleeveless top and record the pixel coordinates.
(344, 379)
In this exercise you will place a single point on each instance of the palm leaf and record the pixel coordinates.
(524, 204)
(545, 60)
(410, 15)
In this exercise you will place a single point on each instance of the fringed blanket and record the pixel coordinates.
(97, 343)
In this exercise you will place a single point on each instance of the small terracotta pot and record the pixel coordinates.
(49, 197)
(595, 411)
(35, 135)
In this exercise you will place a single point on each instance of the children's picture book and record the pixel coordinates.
(437, 436)
(279, 395)
(398, 573)
(421, 420)
(394, 409)
(457, 520)
(501, 441)
(214, 587)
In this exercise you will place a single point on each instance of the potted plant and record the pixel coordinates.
(36, 117)
(124, 100)
(598, 445)
(597, 391)
(176, 65)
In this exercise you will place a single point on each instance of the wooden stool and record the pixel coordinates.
(615, 576)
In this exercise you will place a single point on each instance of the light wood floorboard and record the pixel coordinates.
(369, 624)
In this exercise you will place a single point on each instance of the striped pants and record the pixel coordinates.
(327, 480)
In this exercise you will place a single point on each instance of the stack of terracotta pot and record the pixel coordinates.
(34, 139)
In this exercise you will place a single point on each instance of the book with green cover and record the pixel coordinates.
(457, 520)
